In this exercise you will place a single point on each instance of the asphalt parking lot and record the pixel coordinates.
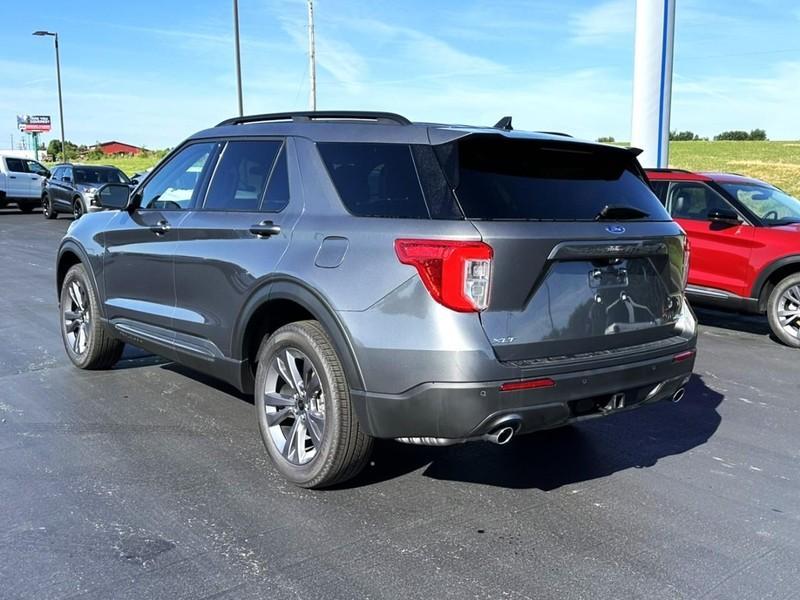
(150, 481)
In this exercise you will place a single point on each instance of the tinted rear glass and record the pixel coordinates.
(16, 165)
(500, 178)
(375, 180)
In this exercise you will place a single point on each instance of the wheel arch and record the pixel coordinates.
(284, 300)
(771, 275)
(69, 255)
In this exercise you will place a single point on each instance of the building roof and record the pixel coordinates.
(120, 143)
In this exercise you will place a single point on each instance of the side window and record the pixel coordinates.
(691, 200)
(241, 175)
(660, 189)
(15, 165)
(277, 196)
(35, 167)
(57, 172)
(375, 180)
(176, 184)
(66, 175)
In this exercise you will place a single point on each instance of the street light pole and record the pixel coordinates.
(238, 59)
(312, 58)
(60, 101)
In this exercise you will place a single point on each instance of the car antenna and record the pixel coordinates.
(504, 124)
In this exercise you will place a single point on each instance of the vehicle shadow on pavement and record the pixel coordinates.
(552, 459)
(133, 357)
(755, 324)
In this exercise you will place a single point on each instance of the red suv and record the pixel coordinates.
(745, 243)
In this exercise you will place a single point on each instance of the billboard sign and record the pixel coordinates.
(33, 123)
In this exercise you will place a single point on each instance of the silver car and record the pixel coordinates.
(368, 277)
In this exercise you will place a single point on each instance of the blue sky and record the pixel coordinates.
(152, 72)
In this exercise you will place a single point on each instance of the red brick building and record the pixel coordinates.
(114, 147)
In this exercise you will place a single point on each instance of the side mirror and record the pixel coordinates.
(724, 215)
(66, 179)
(114, 196)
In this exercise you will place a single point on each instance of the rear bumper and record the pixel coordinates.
(462, 410)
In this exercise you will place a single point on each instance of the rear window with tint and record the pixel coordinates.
(15, 165)
(500, 178)
(375, 180)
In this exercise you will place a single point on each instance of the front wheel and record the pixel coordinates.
(86, 341)
(783, 310)
(304, 410)
(47, 208)
(77, 208)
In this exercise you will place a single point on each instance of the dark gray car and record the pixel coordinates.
(72, 188)
(367, 277)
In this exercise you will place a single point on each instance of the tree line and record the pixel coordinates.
(735, 135)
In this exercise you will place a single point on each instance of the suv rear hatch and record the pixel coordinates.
(585, 257)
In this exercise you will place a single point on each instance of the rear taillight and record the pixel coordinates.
(457, 274)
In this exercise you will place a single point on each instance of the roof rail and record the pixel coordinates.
(562, 134)
(351, 115)
(667, 170)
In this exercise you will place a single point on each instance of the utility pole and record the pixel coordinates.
(54, 35)
(238, 58)
(312, 62)
(652, 80)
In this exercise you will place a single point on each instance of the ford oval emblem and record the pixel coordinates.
(615, 229)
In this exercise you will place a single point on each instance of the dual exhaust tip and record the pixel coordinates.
(500, 434)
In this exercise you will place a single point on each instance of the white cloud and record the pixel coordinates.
(716, 103)
(604, 23)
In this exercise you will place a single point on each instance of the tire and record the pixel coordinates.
(47, 208)
(26, 207)
(339, 448)
(78, 210)
(88, 344)
(783, 310)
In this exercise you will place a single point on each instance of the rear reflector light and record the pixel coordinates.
(682, 356)
(530, 384)
(457, 274)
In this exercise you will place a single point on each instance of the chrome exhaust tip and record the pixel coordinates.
(500, 436)
(678, 395)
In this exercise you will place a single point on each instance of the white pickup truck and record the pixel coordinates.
(21, 182)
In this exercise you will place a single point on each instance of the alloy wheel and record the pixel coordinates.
(77, 319)
(77, 209)
(789, 311)
(294, 403)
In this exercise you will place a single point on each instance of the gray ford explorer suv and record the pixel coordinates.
(368, 277)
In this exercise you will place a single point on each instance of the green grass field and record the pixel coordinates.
(775, 162)
(129, 164)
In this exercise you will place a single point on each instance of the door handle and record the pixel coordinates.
(12, 176)
(265, 229)
(160, 228)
